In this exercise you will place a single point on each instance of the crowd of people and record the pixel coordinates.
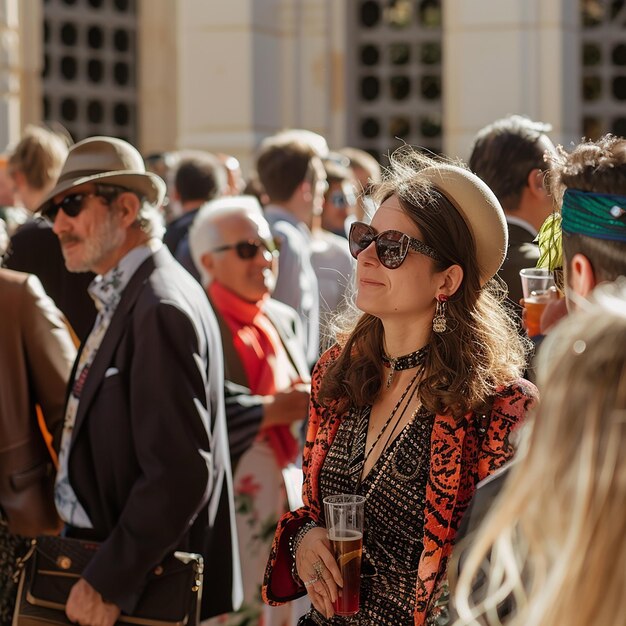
(193, 360)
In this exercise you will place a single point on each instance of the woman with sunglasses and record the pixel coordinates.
(414, 405)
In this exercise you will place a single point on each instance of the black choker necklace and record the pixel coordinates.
(406, 362)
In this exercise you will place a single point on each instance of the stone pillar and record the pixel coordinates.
(158, 89)
(510, 56)
(9, 74)
(222, 76)
(30, 19)
(299, 64)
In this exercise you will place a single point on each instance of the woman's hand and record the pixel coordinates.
(318, 570)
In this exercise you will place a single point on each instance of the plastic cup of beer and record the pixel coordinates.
(538, 287)
(344, 522)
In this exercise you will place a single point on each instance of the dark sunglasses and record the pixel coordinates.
(392, 246)
(248, 249)
(74, 203)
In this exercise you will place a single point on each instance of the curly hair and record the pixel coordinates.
(598, 166)
(482, 350)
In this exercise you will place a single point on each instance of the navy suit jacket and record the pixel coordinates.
(149, 457)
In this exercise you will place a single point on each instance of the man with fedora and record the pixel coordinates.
(144, 466)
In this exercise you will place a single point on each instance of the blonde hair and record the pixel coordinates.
(40, 156)
(559, 524)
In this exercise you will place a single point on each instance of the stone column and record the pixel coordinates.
(9, 74)
(30, 20)
(299, 65)
(158, 89)
(222, 76)
(510, 56)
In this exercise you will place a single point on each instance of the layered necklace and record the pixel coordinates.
(395, 417)
(406, 362)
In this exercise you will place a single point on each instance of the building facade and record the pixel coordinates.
(170, 74)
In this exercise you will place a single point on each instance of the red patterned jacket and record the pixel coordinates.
(460, 457)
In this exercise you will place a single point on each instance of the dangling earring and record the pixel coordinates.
(440, 323)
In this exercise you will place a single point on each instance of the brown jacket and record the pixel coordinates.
(36, 356)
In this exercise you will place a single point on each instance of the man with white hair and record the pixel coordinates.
(265, 370)
(143, 463)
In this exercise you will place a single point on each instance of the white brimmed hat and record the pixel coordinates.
(107, 160)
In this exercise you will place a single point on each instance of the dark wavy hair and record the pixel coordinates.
(465, 365)
(505, 152)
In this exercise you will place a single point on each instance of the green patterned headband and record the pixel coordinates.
(596, 215)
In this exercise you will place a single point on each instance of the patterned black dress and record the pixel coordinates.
(11, 547)
(395, 493)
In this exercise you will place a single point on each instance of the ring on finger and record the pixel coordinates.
(308, 583)
(318, 567)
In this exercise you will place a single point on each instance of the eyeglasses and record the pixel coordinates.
(247, 250)
(74, 203)
(392, 246)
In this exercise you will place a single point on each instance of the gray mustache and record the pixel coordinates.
(69, 239)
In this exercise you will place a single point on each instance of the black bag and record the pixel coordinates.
(54, 564)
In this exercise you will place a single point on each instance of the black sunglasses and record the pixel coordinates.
(248, 249)
(74, 203)
(392, 246)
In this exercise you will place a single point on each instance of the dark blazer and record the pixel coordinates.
(149, 457)
(178, 229)
(522, 252)
(35, 249)
(244, 411)
(177, 240)
(487, 493)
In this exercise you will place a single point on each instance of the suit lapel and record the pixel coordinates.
(233, 366)
(290, 341)
(110, 341)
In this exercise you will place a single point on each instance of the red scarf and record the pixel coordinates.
(264, 358)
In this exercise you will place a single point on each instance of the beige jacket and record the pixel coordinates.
(36, 357)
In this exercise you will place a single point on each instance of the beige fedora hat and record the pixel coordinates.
(480, 209)
(107, 160)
